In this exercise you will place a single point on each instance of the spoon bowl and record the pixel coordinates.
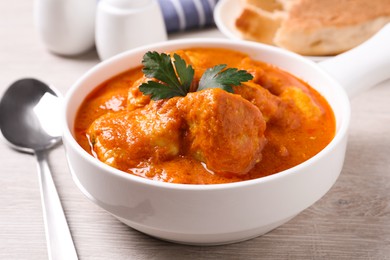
(29, 121)
(23, 117)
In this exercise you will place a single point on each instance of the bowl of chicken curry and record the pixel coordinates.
(205, 141)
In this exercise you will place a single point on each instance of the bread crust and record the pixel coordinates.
(314, 14)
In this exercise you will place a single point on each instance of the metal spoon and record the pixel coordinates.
(29, 121)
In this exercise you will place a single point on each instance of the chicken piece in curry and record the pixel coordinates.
(268, 124)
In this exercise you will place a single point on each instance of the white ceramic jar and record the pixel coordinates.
(66, 27)
(125, 24)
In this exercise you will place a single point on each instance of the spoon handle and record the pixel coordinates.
(59, 240)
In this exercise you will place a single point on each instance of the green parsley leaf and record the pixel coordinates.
(159, 91)
(160, 67)
(175, 77)
(186, 73)
(216, 78)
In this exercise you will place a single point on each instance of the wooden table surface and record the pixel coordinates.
(352, 221)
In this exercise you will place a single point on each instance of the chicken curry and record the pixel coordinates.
(264, 125)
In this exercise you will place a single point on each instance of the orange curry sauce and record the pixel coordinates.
(298, 124)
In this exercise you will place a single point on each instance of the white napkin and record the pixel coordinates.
(180, 15)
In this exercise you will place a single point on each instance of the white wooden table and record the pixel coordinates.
(351, 222)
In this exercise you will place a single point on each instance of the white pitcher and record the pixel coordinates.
(66, 27)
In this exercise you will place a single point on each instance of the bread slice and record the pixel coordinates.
(318, 27)
(315, 27)
(260, 19)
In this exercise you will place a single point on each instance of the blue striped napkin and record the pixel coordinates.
(180, 15)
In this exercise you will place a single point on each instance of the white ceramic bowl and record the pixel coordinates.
(208, 214)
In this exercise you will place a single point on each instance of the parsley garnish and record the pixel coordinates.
(175, 77)
(216, 78)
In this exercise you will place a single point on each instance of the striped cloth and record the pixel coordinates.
(180, 15)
